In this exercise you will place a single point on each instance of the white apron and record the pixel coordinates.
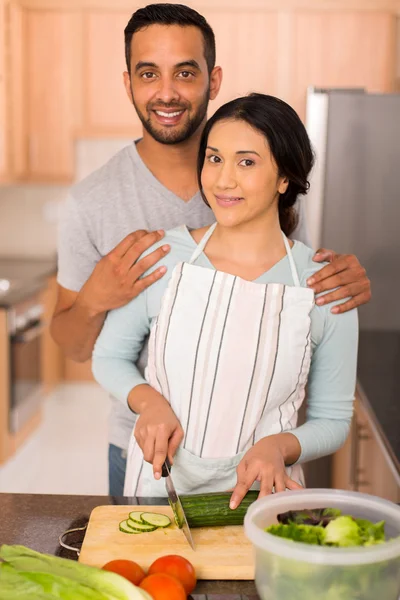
(232, 357)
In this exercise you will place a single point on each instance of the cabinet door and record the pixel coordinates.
(361, 464)
(107, 108)
(53, 38)
(4, 150)
(354, 49)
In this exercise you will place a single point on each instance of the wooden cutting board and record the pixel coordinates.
(221, 552)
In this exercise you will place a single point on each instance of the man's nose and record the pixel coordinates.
(167, 91)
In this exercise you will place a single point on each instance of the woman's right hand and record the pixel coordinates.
(158, 431)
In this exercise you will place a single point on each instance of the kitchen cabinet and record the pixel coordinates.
(52, 39)
(4, 150)
(363, 464)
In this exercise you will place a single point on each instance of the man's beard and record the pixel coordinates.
(174, 135)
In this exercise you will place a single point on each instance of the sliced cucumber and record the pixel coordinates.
(155, 519)
(141, 527)
(124, 527)
(135, 516)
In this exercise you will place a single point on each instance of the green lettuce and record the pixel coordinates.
(56, 577)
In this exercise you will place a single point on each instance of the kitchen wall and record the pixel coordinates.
(29, 213)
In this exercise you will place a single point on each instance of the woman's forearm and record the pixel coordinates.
(289, 447)
(141, 396)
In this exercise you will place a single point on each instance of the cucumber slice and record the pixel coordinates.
(124, 527)
(155, 519)
(135, 516)
(140, 527)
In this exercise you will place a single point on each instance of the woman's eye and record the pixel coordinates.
(246, 162)
(213, 159)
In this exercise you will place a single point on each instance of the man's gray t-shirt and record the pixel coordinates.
(120, 197)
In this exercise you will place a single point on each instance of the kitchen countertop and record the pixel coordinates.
(29, 275)
(37, 520)
(379, 381)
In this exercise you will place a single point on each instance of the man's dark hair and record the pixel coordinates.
(170, 14)
(287, 139)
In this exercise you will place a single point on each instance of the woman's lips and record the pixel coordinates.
(169, 117)
(226, 201)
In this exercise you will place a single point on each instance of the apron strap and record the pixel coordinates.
(200, 247)
(203, 242)
(292, 264)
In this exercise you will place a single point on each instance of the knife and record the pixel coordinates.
(176, 503)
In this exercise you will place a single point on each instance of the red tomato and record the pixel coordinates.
(178, 567)
(162, 586)
(127, 568)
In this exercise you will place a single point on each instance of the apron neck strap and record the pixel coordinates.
(292, 264)
(203, 242)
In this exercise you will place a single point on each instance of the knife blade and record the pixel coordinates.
(176, 503)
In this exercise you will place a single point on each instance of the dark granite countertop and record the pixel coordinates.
(379, 379)
(36, 521)
(27, 276)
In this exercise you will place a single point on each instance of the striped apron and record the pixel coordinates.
(232, 357)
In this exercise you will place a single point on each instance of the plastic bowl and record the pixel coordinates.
(287, 570)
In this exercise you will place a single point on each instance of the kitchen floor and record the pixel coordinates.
(67, 454)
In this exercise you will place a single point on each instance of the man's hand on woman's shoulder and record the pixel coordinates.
(345, 273)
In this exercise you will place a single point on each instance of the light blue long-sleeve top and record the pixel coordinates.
(334, 338)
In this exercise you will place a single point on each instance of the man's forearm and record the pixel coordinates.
(76, 330)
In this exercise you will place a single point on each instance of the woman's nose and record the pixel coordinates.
(226, 178)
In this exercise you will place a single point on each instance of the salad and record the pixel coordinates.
(327, 527)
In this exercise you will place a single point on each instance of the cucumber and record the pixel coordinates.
(211, 510)
(124, 527)
(135, 516)
(155, 519)
(140, 527)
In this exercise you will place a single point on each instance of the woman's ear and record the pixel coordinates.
(283, 185)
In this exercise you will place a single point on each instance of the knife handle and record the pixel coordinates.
(166, 468)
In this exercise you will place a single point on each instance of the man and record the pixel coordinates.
(151, 185)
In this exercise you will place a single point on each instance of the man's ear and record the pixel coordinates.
(215, 82)
(127, 85)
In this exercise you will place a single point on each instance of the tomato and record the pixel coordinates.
(127, 568)
(162, 586)
(178, 567)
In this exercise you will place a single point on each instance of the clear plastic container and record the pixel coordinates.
(287, 570)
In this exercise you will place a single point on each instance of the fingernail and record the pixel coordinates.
(335, 310)
(310, 281)
(157, 475)
(320, 301)
(160, 232)
(232, 504)
(162, 270)
(165, 248)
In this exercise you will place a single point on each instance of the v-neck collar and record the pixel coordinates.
(154, 182)
(211, 266)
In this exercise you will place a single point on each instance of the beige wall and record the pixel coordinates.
(29, 213)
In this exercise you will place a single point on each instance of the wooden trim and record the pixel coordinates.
(392, 6)
(26, 431)
(5, 438)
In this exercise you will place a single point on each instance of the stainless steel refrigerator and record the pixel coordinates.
(353, 204)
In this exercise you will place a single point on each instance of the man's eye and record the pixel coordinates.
(186, 74)
(213, 158)
(246, 162)
(148, 75)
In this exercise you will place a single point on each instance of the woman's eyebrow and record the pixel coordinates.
(238, 152)
(248, 152)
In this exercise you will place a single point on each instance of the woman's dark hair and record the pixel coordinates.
(287, 139)
(170, 14)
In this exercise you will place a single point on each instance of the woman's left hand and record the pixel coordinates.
(264, 462)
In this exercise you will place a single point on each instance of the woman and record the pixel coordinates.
(235, 332)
